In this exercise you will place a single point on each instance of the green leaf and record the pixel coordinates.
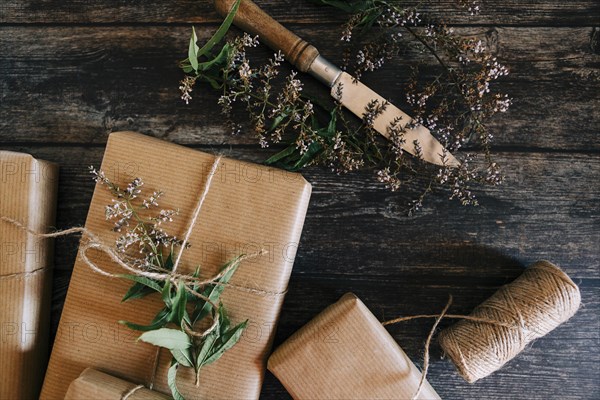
(206, 348)
(167, 338)
(179, 301)
(195, 287)
(314, 149)
(212, 292)
(166, 294)
(279, 119)
(288, 151)
(172, 381)
(220, 33)
(219, 61)
(193, 50)
(137, 291)
(160, 320)
(228, 340)
(183, 357)
(141, 288)
(224, 318)
(213, 83)
(169, 262)
(331, 128)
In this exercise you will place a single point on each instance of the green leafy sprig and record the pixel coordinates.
(187, 300)
(454, 98)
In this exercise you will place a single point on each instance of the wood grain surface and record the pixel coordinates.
(73, 71)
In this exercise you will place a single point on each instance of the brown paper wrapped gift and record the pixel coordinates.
(93, 384)
(345, 353)
(248, 208)
(27, 195)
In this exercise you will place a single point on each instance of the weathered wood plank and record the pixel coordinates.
(547, 198)
(533, 12)
(83, 82)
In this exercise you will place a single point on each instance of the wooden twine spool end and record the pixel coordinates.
(535, 303)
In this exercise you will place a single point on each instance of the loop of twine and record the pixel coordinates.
(535, 303)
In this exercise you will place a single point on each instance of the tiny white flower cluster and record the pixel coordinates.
(98, 176)
(120, 211)
(495, 69)
(249, 41)
(293, 86)
(391, 182)
(245, 71)
(139, 229)
(502, 103)
(186, 85)
(152, 201)
(369, 64)
(391, 17)
(165, 216)
(133, 188)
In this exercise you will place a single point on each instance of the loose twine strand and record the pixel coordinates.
(192, 223)
(427, 345)
(538, 301)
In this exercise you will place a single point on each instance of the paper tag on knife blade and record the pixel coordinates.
(355, 96)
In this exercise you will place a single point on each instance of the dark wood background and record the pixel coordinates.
(72, 71)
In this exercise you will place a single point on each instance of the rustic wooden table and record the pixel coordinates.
(73, 71)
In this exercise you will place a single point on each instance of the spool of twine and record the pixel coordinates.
(538, 301)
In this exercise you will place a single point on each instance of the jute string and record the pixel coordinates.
(538, 301)
(535, 303)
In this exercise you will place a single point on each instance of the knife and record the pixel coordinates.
(351, 93)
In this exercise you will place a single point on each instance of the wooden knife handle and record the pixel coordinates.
(255, 21)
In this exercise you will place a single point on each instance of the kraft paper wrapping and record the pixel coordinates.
(345, 353)
(93, 384)
(248, 208)
(27, 194)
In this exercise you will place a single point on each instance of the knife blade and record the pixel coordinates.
(351, 93)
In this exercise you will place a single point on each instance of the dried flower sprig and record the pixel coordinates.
(455, 104)
(143, 244)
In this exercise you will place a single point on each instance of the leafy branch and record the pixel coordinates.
(144, 245)
(454, 104)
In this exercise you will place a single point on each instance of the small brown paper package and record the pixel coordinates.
(345, 353)
(248, 208)
(93, 384)
(28, 190)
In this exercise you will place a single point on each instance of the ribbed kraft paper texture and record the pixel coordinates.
(27, 194)
(345, 353)
(92, 384)
(248, 208)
